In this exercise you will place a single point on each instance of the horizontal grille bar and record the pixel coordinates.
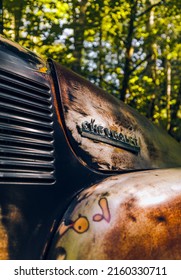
(27, 104)
(23, 82)
(25, 142)
(21, 110)
(26, 131)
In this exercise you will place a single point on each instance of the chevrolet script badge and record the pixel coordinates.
(102, 134)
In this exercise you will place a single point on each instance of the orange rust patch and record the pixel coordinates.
(154, 233)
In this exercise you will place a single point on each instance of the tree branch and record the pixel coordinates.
(150, 8)
(142, 61)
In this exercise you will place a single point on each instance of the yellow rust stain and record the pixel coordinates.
(4, 254)
(43, 69)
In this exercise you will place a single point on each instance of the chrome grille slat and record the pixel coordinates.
(19, 128)
(23, 148)
(24, 82)
(21, 170)
(25, 162)
(26, 131)
(23, 120)
(28, 175)
(25, 152)
(30, 96)
(20, 109)
(22, 141)
(26, 103)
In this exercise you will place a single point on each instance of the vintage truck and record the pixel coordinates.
(82, 175)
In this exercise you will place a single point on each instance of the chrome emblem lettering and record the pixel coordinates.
(102, 134)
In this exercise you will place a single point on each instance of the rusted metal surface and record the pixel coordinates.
(83, 103)
(11, 222)
(130, 216)
(4, 254)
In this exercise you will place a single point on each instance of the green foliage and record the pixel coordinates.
(130, 48)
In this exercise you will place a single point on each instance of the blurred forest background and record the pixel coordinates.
(130, 48)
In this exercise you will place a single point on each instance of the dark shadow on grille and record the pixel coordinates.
(26, 131)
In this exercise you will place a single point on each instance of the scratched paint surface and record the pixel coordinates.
(130, 216)
(84, 103)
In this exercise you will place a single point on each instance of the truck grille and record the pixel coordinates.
(26, 132)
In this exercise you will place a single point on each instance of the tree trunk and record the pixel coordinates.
(129, 51)
(79, 22)
(168, 92)
(18, 12)
(174, 112)
(100, 61)
(151, 65)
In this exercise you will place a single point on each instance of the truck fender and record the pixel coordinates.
(129, 216)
